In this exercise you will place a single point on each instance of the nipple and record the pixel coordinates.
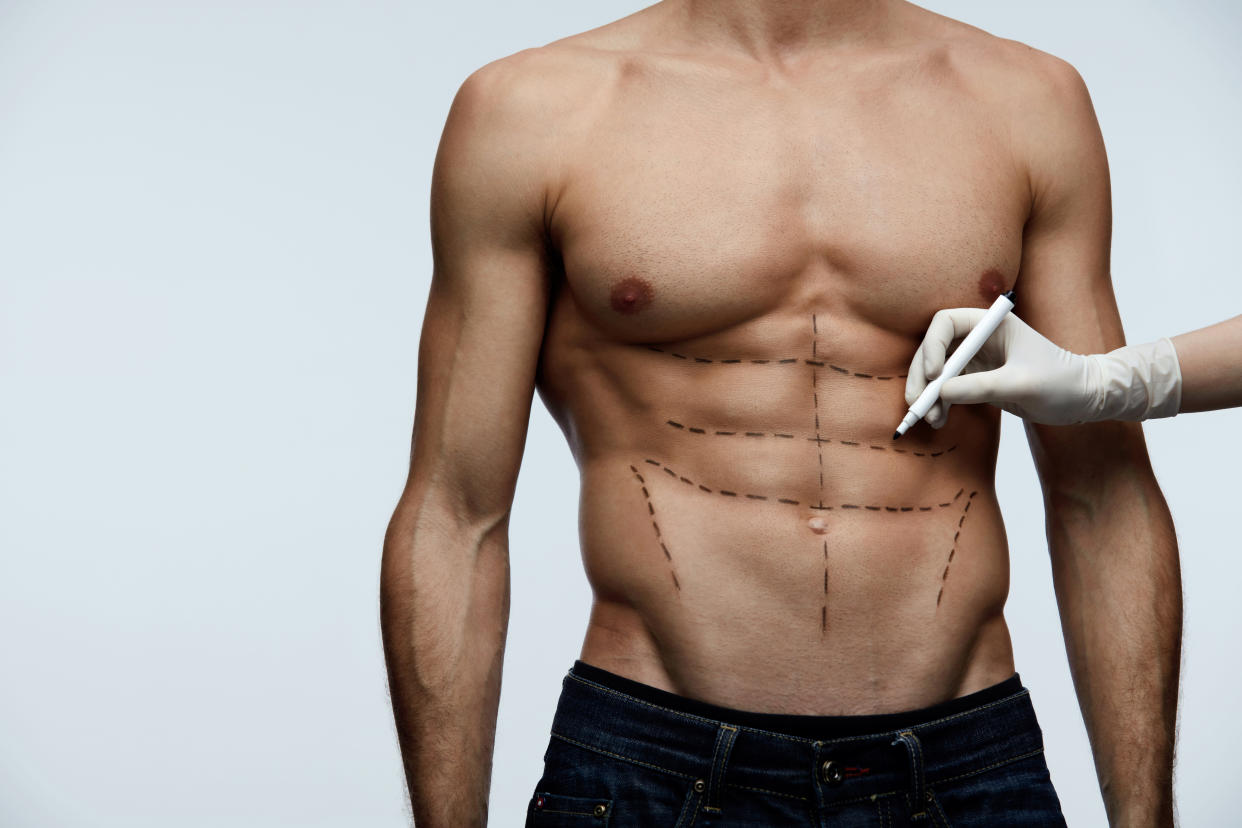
(631, 294)
(818, 525)
(991, 284)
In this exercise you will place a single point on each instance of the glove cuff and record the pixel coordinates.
(1139, 382)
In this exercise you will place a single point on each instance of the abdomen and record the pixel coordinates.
(753, 519)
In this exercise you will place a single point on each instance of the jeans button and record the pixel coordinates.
(699, 786)
(601, 809)
(831, 772)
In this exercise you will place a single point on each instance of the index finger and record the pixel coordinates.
(946, 326)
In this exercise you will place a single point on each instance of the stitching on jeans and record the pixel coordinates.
(690, 797)
(625, 697)
(914, 751)
(992, 766)
(772, 733)
(864, 798)
(619, 756)
(717, 782)
(711, 774)
(766, 791)
(694, 817)
(944, 820)
(918, 760)
(975, 772)
(585, 746)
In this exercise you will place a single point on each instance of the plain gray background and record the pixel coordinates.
(213, 267)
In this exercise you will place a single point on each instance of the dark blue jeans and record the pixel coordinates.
(628, 755)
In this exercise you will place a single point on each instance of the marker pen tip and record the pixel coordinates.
(896, 434)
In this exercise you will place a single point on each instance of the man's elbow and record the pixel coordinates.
(456, 515)
(1097, 474)
(1123, 515)
(435, 552)
(443, 586)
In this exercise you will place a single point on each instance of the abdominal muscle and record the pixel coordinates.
(755, 538)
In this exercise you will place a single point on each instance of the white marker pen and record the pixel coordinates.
(958, 360)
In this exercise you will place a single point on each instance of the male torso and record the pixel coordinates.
(711, 234)
(747, 260)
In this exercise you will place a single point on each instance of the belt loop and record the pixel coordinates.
(914, 749)
(725, 735)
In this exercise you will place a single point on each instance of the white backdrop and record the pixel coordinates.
(213, 266)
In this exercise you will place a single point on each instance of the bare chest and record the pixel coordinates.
(693, 205)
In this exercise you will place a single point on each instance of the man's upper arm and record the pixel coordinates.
(1110, 536)
(486, 309)
(1064, 286)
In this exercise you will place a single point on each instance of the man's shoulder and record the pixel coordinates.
(516, 115)
(1001, 69)
(537, 85)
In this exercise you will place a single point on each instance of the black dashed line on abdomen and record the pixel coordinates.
(816, 438)
(953, 550)
(819, 450)
(656, 526)
(781, 361)
(789, 500)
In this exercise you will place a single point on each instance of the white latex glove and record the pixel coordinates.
(1024, 373)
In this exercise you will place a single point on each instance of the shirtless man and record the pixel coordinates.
(712, 234)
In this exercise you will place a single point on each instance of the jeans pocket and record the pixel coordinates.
(553, 810)
(899, 810)
(1016, 794)
(935, 812)
(690, 807)
(884, 811)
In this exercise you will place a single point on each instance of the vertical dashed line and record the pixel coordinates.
(819, 449)
(655, 526)
(953, 550)
(823, 622)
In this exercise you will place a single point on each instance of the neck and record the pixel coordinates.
(776, 29)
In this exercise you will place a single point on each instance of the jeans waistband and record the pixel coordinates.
(810, 727)
(908, 751)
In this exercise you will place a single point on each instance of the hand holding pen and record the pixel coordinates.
(1024, 373)
(922, 394)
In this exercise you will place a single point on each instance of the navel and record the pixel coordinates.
(991, 284)
(631, 294)
(818, 525)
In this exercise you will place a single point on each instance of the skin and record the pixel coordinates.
(711, 235)
(991, 285)
(1209, 362)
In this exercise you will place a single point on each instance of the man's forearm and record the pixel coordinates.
(444, 608)
(1118, 584)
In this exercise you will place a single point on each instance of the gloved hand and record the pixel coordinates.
(1024, 373)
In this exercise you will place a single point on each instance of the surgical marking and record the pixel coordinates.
(819, 449)
(659, 537)
(782, 361)
(816, 438)
(793, 501)
(953, 551)
(815, 362)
